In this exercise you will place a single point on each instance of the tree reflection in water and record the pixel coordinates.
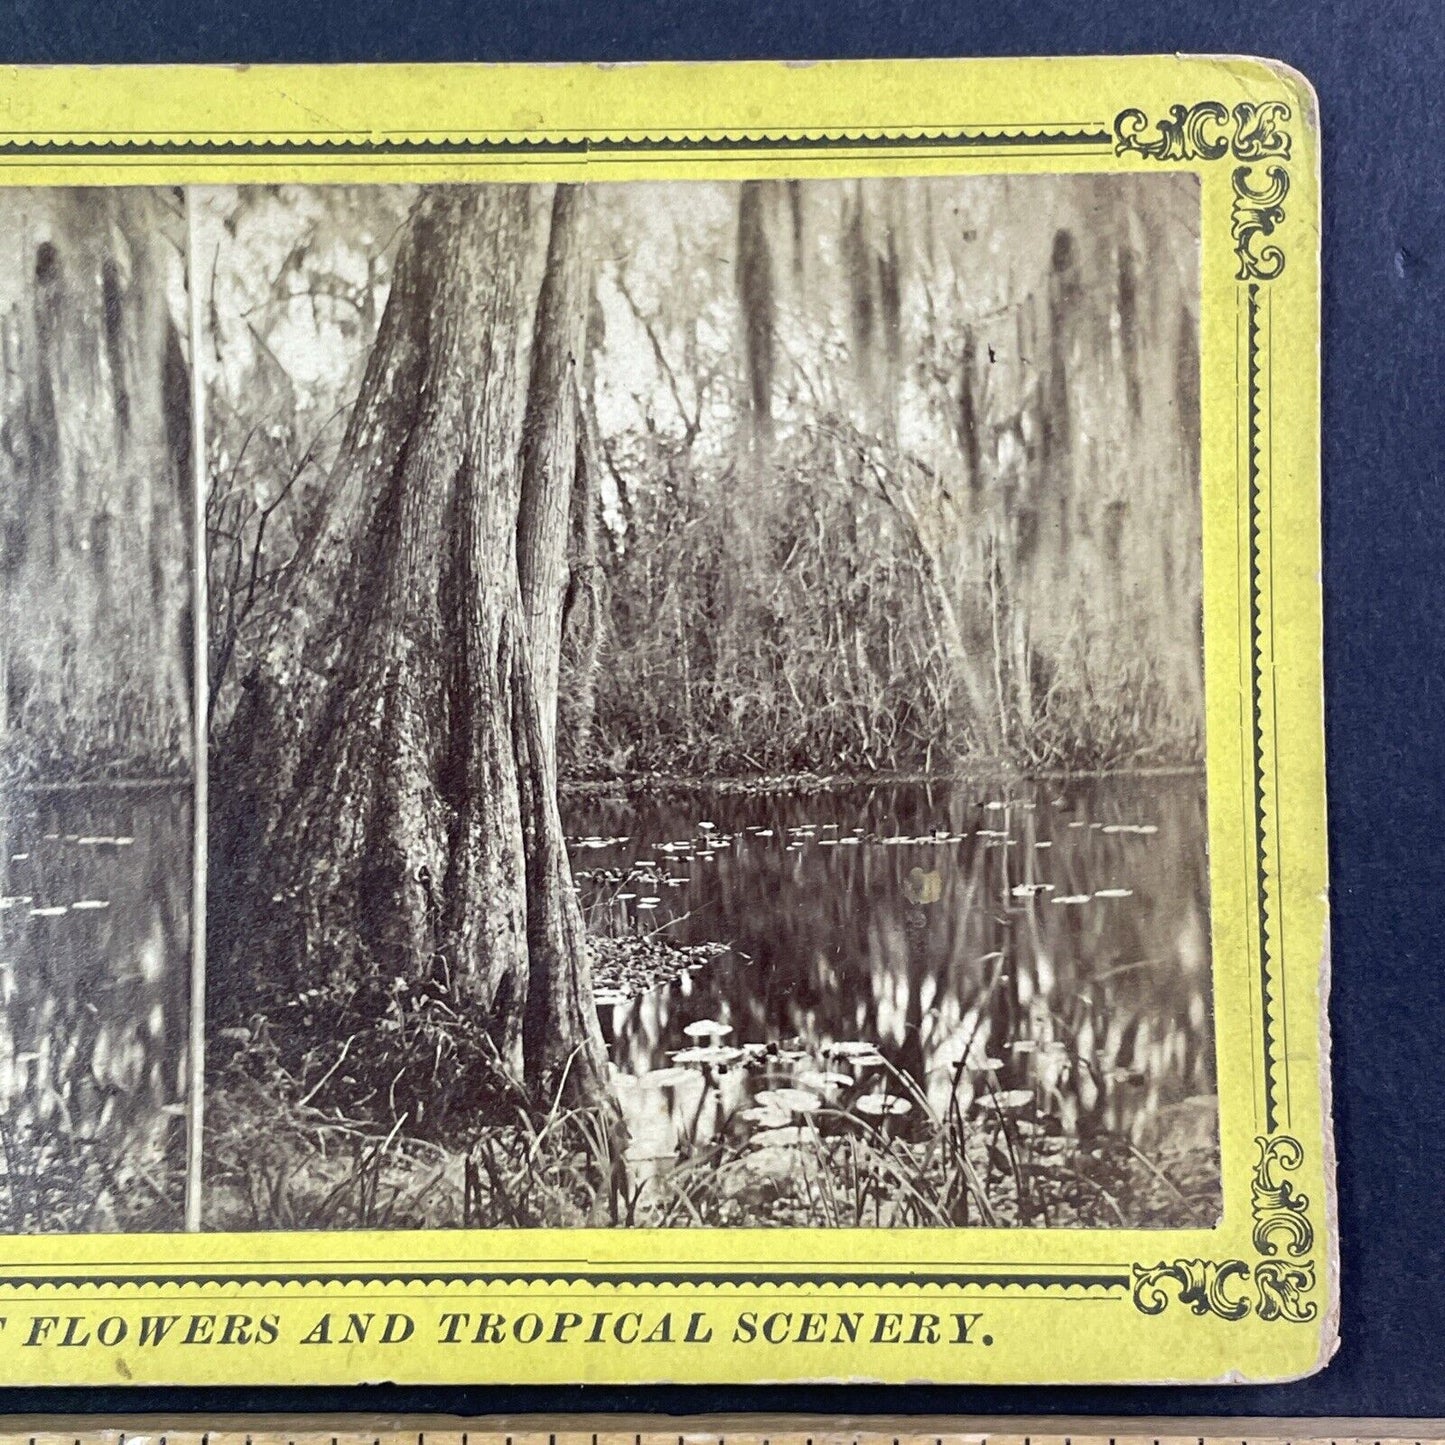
(1054, 934)
(94, 924)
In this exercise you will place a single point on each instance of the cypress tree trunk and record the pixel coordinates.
(95, 491)
(386, 802)
(583, 608)
(551, 442)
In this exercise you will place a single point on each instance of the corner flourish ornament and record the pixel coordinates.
(1281, 1288)
(1257, 133)
(1256, 213)
(1208, 131)
(1202, 1286)
(1278, 1209)
(1187, 133)
(1273, 1287)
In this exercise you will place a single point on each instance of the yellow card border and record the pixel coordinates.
(1255, 1297)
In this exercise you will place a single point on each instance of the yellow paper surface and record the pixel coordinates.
(1251, 1299)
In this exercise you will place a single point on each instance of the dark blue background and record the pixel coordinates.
(1380, 72)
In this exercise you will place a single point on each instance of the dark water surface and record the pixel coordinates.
(1058, 931)
(1054, 933)
(94, 950)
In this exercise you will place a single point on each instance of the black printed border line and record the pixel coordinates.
(1189, 133)
(1254, 134)
(1279, 1284)
(1261, 620)
(1087, 136)
(963, 1280)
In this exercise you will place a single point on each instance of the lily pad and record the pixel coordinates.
(707, 1029)
(712, 1054)
(882, 1105)
(793, 1101)
(787, 1137)
(1008, 1099)
(768, 1118)
(858, 1053)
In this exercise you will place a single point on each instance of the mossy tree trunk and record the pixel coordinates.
(95, 490)
(386, 791)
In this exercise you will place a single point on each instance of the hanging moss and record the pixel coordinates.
(1128, 305)
(968, 411)
(757, 301)
(890, 297)
(1064, 293)
(795, 218)
(859, 276)
(1186, 389)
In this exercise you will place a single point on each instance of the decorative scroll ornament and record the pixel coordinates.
(1278, 1209)
(1203, 132)
(1257, 133)
(1256, 213)
(1274, 1288)
(1209, 131)
(1188, 133)
(1202, 1286)
(1281, 1288)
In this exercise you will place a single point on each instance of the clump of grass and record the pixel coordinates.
(882, 1156)
(57, 1178)
(863, 1149)
(308, 1138)
(278, 1158)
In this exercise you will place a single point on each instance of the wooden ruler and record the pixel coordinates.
(710, 1430)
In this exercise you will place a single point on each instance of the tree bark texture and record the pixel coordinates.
(386, 799)
(551, 442)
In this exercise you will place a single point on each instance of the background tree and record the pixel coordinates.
(95, 487)
(977, 530)
(293, 280)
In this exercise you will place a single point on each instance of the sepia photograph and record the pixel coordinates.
(96, 688)
(703, 697)
(705, 705)
(674, 710)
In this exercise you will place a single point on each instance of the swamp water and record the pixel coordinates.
(1038, 951)
(94, 921)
